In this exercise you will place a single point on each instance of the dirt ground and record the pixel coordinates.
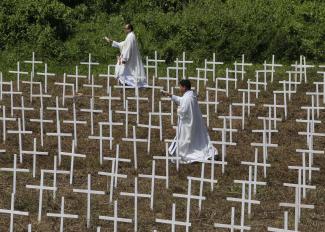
(215, 209)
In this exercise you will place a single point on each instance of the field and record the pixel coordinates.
(215, 209)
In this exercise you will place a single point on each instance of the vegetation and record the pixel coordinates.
(64, 31)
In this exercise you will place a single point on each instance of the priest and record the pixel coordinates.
(192, 142)
(129, 69)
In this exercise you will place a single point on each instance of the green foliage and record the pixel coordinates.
(64, 31)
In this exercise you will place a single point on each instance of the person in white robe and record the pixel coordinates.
(192, 138)
(129, 69)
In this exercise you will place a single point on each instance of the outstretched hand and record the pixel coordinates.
(165, 93)
(107, 39)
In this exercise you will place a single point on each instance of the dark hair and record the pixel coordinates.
(185, 83)
(129, 26)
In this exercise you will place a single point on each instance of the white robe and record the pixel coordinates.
(132, 72)
(193, 138)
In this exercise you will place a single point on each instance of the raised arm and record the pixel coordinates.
(176, 99)
(117, 44)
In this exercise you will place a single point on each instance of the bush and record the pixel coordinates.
(64, 31)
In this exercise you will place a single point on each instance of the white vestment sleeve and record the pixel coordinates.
(176, 99)
(185, 110)
(117, 44)
(126, 52)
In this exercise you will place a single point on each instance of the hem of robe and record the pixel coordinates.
(129, 81)
(207, 153)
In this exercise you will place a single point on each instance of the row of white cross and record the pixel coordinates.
(253, 87)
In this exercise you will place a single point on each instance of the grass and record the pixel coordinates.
(214, 210)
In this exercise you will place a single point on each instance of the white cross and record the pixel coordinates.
(89, 63)
(250, 182)
(173, 221)
(153, 176)
(232, 225)
(248, 91)
(110, 123)
(59, 135)
(41, 119)
(273, 65)
(171, 114)
(188, 198)
(227, 79)
(55, 172)
(322, 83)
(313, 107)
(62, 215)
(236, 71)
(154, 66)
(4, 120)
(18, 72)
(198, 78)
(230, 117)
(304, 170)
(73, 155)
(243, 200)
(215, 89)
(257, 83)
(184, 62)
(75, 122)
(22, 110)
(117, 160)
(33, 62)
(166, 158)
(137, 99)
(13, 212)
(256, 164)
(214, 64)
(14, 171)
(124, 87)
(64, 85)
(101, 138)
(41, 187)
(316, 95)
(115, 218)
(153, 87)
(110, 98)
(270, 118)
(34, 153)
(243, 64)
(92, 110)
(20, 133)
(202, 180)
(108, 75)
(168, 78)
(89, 192)
(135, 140)
(212, 163)
(46, 75)
(11, 93)
(135, 194)
(285, 226)
(112, 176)
(150, 126)
(93, 86)
(302, 68)
(310, 153)
(224, 142)
(297, 206)
(126, 112)
(76, 76)
(207, 103)
(265, 142)
(284, 106)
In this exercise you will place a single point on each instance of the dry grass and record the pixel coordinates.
(214, 209)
